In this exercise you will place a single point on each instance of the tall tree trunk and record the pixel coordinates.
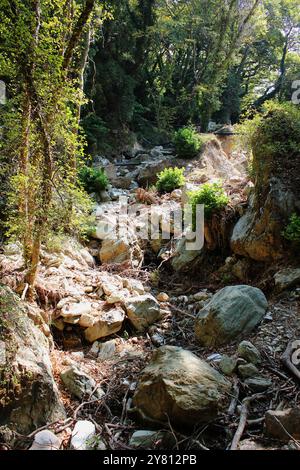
(24, 171)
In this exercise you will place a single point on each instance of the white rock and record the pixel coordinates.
(75, 310)
(45, 440)
(82, 433)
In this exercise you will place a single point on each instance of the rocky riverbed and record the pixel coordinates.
(137, 343)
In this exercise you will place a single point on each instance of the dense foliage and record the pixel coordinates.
(93, 180)
(292, 231)
(212, 196)
(187, 142)
(170, 179)
(162, 64)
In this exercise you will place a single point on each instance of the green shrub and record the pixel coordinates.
(212, 195)
(93, 180)
(170, 179)
(187, 142)
(292, 231)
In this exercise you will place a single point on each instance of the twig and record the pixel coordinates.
(235, 398)
(23, 296)
(243, 419)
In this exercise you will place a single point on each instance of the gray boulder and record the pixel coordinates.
(233, 312)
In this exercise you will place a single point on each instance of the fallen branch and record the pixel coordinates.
(286, 360)
(243, 419)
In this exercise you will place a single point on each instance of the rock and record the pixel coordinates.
(248, 370)
(249, 352)
(45, 440)
(106, 350)
(287, 278)
(147, 175)
(258, 233)
(176, 195)
(86, 320)
(145, 439)
(177, 384)
(157, 339)
(25, 370)
(134, 285)
(228, 365)
(258, 384)
(82, 434)
(240, 269)
(73, 310)
(283, 424)
(107, 324)
(201, 296)
(79, 383)
(163, 297)
(118, 251)
(233, 312)
(182, 256)
(142, 311)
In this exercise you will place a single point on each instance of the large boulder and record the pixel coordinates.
(232, 313)
(142, 311)
(178, 386)
(30, 397)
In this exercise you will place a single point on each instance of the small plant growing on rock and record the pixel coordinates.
(212, 195)
(93, 181)
(170, 179)
(292, 230)
(187, 142)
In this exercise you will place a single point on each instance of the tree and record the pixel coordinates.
(40, 40)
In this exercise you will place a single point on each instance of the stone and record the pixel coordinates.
(163, 297)
(142, 311)
(176, 194)
(45, 440)
(134, 285)
(78, 383)
(249, 352)
(183, 257)
(119, 251)
(86, 320)
(147, 175)
(73, 310)
(177, 384)
(82, 434)
(145, 439)
(228, 365)
(232, 312)
(27, 368)
(248, 370)
(201, 296)
(107, 324)
(106, 350)
(59, 324)
(287, 278)
(2, 353)
(283, 424)
(258, 233)
(258, 384)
